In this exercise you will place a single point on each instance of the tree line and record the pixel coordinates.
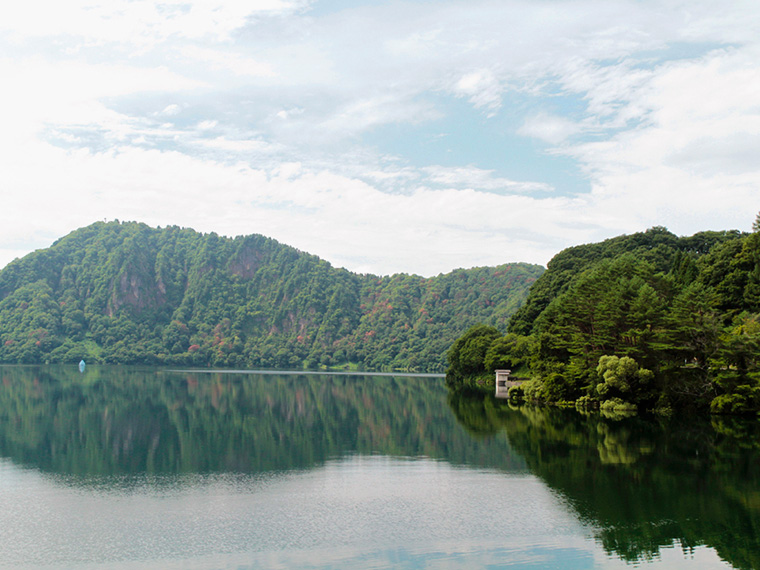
(648, 321)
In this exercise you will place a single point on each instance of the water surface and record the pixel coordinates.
(147, 468)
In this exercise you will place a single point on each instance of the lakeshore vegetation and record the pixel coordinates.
(648, 321)
(638, 322)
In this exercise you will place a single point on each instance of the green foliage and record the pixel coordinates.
(740, 344)
(694, 325)
(617, 406)
(510, 352)
(467, 355)
(130, 294)
(743, 399)
(516, 395)
(650, 320)
(623, 380)
(657, 247)
(559, 386)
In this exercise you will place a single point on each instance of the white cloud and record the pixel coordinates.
(256, 123)
(482, 87)
(171, 110)
(549, 128)
(340, 218)
(138, 22)
(286, 114)
(362, 114)
(480, 179)
(207, 125)
(61, 94)
(692, 164)
(237, 146)
(235, 62)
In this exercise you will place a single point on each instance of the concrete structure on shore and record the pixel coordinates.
(503, 383)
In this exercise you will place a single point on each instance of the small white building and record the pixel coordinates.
(503, 383)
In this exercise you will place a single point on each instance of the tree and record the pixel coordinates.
(738, 362)
(467, 355)
(511, 351)
(622, 378)
(694, 324)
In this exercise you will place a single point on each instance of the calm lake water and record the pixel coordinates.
(132, 468)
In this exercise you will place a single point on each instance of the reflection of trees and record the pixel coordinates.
(476, 414)
(644, 484)
(119, 420)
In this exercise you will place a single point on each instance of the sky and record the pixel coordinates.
(383, 136)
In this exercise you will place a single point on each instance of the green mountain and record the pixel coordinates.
(641, 321)
(128, 293)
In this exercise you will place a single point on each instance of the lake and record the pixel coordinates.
(130, 468)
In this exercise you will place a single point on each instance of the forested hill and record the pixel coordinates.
(643, 321)
(657, 248)
(128, 293)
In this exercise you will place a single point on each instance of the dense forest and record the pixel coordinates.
(127, 293)
(647, 321)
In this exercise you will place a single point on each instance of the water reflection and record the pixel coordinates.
(256, 471)
(646, 484)
(111, 421)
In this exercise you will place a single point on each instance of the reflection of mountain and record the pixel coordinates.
(644, 484)
(119, 420)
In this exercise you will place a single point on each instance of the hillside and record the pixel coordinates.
(645, 321)
(128, 293)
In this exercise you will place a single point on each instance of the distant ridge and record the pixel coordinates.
(125, 292)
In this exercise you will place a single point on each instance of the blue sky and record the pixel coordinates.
(399, 136)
